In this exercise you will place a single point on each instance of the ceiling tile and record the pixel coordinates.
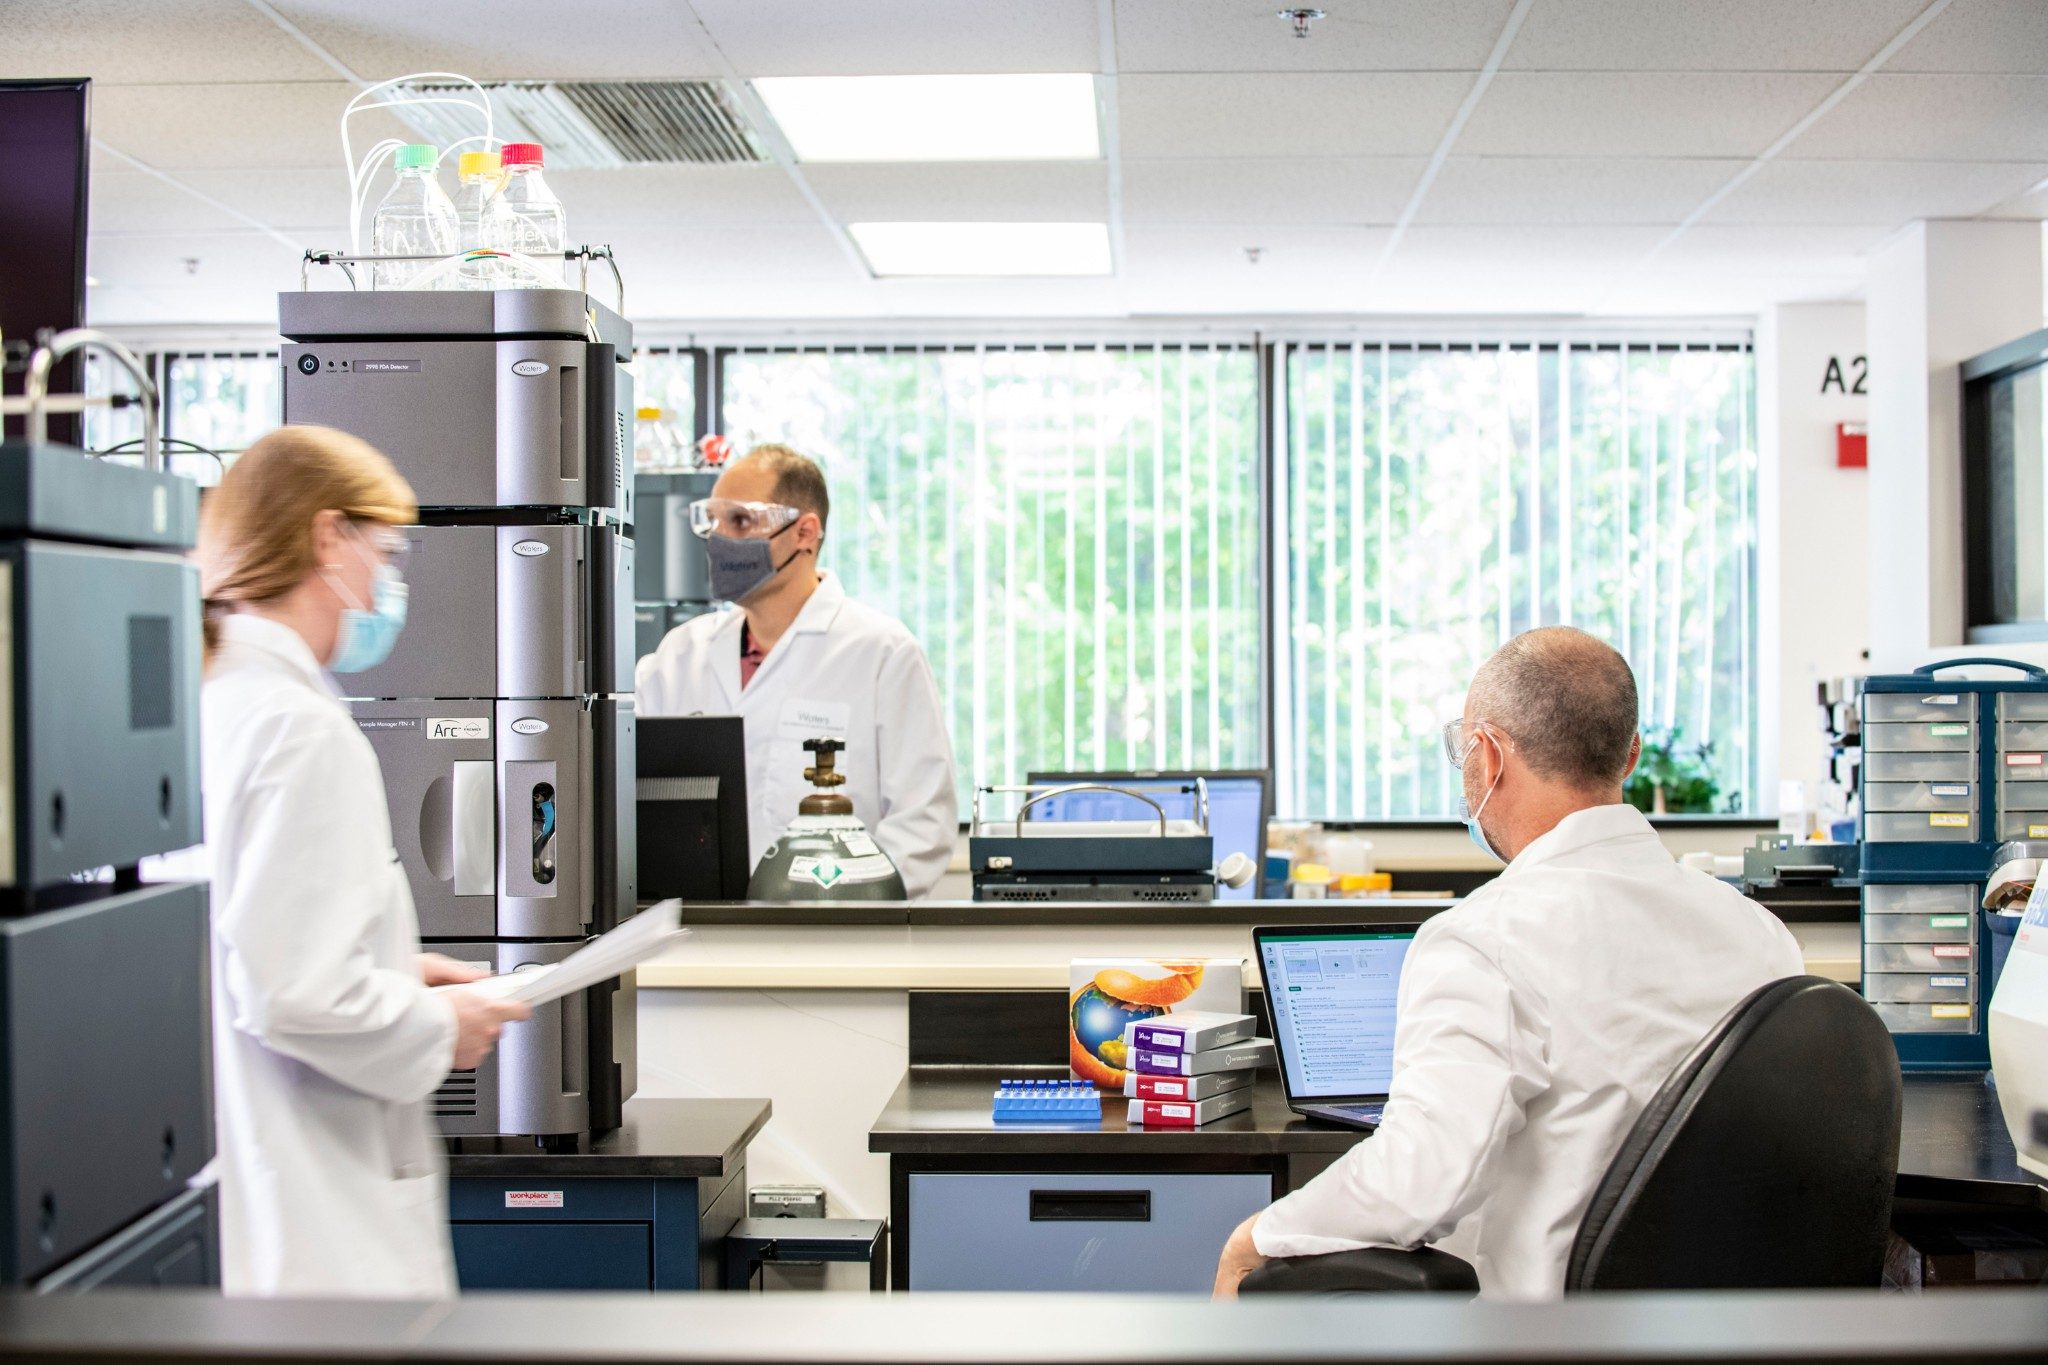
(903, 37)
(1648, 114)
(1512, 250)
(1592, 190)
(1270, 190)
(786, 252)
(1980, 35)
(260, 127)
(118, 41)
(1780, 249)
(507, 39)
(1313, 114)
(1010, 191)
(1937, 118)
(1492, 292)
(1683, 35)
(605, 202)
(309, 202)
(237, 276)
(1702, 293)
(130, 202)
(1243, 35)
(1196, 255)
(1785, 191)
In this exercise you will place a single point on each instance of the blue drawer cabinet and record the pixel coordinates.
(1060, 1233)
(602, 1232)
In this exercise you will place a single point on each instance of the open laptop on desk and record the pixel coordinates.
(1331, 989)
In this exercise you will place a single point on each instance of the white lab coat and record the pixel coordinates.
(326, 1044)
(1536, 1020)
(840, 669)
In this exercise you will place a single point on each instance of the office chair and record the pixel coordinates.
(1765, 1162)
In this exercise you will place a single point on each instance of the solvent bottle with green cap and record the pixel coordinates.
(416, 218)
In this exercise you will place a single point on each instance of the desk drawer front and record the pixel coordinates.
(1134, 1233)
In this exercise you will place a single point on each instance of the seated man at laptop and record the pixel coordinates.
(1537, 1018)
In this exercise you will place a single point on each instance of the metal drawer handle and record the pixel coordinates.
(1091, 1206)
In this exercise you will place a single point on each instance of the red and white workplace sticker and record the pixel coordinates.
(533, 1199)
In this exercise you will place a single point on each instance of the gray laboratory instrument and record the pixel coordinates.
(106, 1109)
(1150, 859)
(503, 719)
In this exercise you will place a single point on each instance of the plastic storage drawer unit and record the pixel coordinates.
(1879, 928)
(1922, 958)
(1914, 988)
(1920, 796)
(1915, 737)
(1920, 827)
(1959, 1018)
(1909, 706)
(1911, 767)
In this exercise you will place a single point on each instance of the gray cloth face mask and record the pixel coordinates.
(741, 568)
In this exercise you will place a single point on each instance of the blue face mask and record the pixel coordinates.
(366, 637)
(1471, 816)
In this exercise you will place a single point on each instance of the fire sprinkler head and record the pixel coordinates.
(1301, 19)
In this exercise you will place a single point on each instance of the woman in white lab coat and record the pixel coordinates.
(327, 1036)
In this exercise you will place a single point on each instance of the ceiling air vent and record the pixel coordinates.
(590, 125)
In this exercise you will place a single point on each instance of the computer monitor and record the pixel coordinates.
(1332, 992)
(1238, 809)
(692, 806)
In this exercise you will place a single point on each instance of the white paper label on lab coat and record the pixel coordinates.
(458, 727)
(809, 719)
(533, 1199)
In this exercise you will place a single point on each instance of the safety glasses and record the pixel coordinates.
(1458, 738)
(739, 520)
(394, 545)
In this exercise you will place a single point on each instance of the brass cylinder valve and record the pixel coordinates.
(825, 775)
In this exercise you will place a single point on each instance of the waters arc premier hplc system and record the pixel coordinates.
(503, 720)
(106, 1111)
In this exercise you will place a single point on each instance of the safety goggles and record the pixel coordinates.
(1458, 738)
(738, 520)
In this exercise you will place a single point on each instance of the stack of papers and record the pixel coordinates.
(601, 959)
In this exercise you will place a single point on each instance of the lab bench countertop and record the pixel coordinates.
(941, 1110)
(660, 1139)
(1953, 1144)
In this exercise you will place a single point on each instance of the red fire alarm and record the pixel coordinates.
(1852, 446)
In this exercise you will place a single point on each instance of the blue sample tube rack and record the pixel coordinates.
(1047, 1101)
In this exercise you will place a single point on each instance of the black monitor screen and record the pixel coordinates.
(43, 158)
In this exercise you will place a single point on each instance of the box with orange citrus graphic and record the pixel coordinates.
(1107, 994)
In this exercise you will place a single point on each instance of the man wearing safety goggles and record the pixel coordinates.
(800, 660)
(1538, 1017)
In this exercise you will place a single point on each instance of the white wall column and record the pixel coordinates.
(1939, 293)
(1814, 535)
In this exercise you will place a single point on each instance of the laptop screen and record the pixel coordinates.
(1332, 995)
(1237, 810)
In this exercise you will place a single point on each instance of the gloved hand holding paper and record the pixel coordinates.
(601, 959)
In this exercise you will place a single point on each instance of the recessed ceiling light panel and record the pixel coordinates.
(935, 118)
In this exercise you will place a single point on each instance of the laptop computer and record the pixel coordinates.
(1331, 989)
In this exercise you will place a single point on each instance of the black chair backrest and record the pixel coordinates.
(1765, 1162)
